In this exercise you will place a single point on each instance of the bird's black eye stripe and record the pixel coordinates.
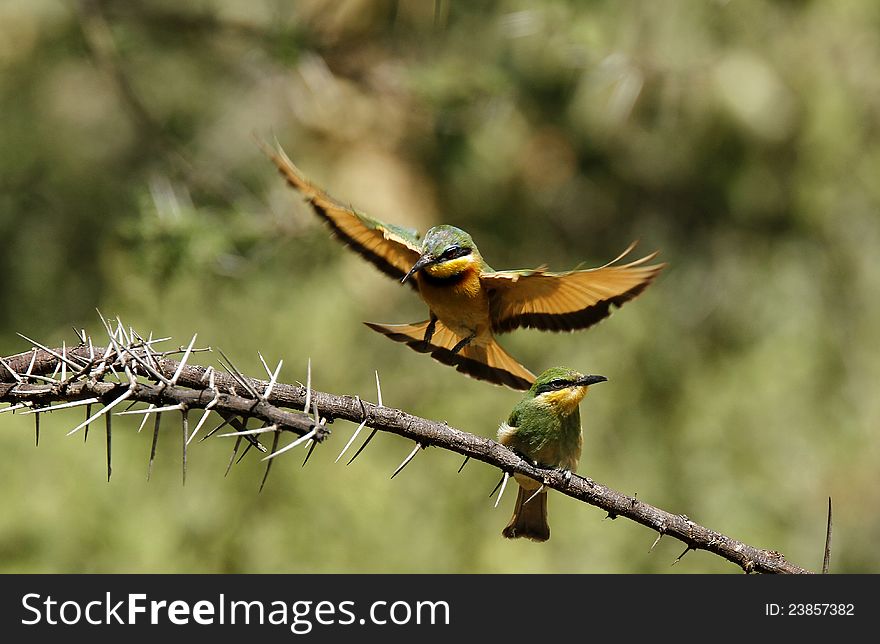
(455, 251)
(555, 385)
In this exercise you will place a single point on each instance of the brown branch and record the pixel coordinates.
(191, 387)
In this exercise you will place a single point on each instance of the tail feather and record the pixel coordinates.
(529, 520)
(487, 362)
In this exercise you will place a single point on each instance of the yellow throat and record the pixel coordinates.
(563, 401)
(451, 267)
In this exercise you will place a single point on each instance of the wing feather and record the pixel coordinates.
(565, 301)
(392, 249)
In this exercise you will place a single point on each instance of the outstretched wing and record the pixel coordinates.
(565, 301)
(488, 361)
(392, 249)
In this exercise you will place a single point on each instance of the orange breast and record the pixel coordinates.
(459, 301)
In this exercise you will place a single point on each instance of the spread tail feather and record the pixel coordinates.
(484, 362)
(529, 520)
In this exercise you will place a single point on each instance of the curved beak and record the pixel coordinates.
(424, 260)
(585, 381)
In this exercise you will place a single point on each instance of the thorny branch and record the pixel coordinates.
(180, 386)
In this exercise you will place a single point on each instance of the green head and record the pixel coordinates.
(446, 250)
(562, 388)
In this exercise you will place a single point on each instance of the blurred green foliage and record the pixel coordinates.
(740, 138)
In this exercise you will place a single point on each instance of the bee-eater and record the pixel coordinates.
(468, 301)
(545, 428)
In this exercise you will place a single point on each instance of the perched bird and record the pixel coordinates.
(544, 428)
(469, 302)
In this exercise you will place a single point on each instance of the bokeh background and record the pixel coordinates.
(739, 138)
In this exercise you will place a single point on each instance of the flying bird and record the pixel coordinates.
(545, 428)
(469, 302)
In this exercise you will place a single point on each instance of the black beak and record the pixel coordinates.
(424, 260)
(590, 380)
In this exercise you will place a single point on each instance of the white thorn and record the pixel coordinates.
(14, 407)
(301, 439)
(75, 403)
(104, 321)
(501, 491)
(150, 370)
(10, 370)
(351, 440)
(265, 366)
(183, 360)
(153, 410)
(43, 378)
(656, 541)
(238, 377)
(44, 348)
(378, 390)
(272, 380)
(406, 461)
(146, 417)
(308, 387)
(251, 432)
(125, 395)
(120, 331)
(31, 365)
(200, 423)
(108, 351)
(534, 495)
